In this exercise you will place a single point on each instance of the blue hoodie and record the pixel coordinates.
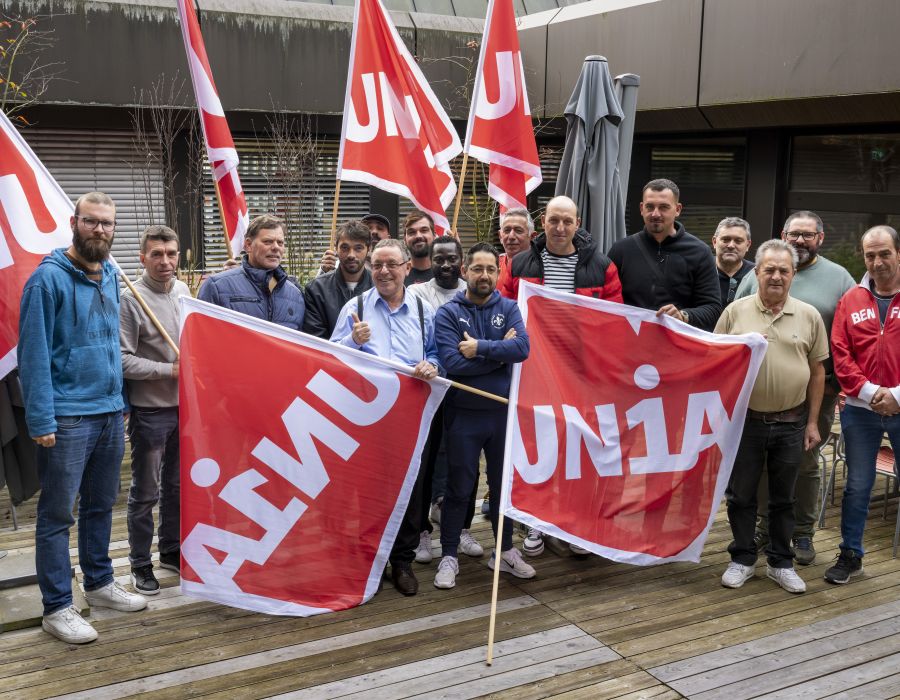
(69, 358)
(491, 368)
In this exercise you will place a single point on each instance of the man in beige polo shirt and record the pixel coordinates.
(782, 418)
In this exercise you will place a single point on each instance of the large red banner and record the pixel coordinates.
(623, 426)
(395, 135)
(34, 219)
(296, 469)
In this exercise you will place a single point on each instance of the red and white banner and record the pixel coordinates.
(34, 219)
(623, 426)
(223, 157)
(500, 131)
(294, 476)
(395, 134)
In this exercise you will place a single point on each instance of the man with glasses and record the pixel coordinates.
(388, 322)
(259, 286)
(480, 336)
(326, 294)
(821, 283)
(730, 243)
(71, 372)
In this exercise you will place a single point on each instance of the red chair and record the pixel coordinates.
(886, 466)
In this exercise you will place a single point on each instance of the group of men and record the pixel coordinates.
(424, 302)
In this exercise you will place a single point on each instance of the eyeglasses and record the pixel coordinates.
(91, 223)
(387, 265)
(805, 235)
(732, 289)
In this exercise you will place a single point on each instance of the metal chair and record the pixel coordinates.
(886, 466)
(836, 440)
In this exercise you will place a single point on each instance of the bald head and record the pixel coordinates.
(560, 221)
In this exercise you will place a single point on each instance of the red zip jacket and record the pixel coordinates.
(866, 356)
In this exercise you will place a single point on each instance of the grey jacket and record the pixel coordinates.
(147, 359)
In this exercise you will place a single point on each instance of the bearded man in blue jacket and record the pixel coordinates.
(480, 335)
(71, 371)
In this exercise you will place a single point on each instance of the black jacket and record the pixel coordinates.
(684, 275)
(325, 297)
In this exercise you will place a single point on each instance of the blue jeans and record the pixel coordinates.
(863, 430)
(155, 478)
(777, 448)
(85, 461)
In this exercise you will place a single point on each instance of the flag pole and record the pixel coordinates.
(459, 192)
(492, 620)
(473, 390)
(153, 319)
(334, 211)
(222, 217)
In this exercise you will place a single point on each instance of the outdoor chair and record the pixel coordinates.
(886, 466)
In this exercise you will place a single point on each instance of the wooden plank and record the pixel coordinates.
(615, 688)
(887, 687)
(551, 687)
(793, 655)
(884, 669)
(775, 642)
(292, 652)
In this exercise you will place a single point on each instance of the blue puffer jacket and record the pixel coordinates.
(246, 289)
(69, 358)
(491, 368)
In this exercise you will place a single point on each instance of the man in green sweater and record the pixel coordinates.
(821, 283)
(150, 368)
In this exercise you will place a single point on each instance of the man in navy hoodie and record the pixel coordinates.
(479, 335)
(71, 371)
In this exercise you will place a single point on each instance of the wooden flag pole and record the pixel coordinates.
(473, 390)
(222, 217)
(492, 620)
(459, 192)
(334, 212)
(152, 316)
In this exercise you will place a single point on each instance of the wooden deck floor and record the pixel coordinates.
(581, 629)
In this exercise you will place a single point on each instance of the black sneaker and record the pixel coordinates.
(760, 539)
(143, 580)
(804, 552)
(848, 564)
(170, 561)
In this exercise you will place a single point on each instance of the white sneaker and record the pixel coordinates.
(446, 573)
(787, 579)
(423, 551)
(435, 513)
(69, 626)
(534, 543)
(736, 575)
(578, 551)
(511, 562)
(115, 597)
(469, 546)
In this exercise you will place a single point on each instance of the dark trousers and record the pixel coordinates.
(429, 460)
(776, 448)
(472, 431)
(155, 477)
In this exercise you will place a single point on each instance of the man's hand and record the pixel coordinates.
(811, 437)
(510, 334)
(671, 310)
(48, 440)
(425, 370)
(175, 370)
(361, 333)
(884, 403)
(329, 261)
(468, 346)
(230, 263)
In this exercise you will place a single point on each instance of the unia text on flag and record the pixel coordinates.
(294, 478)
(500, 131)
(395, 134)
(34, 219)
(623, 427)
(223, 157)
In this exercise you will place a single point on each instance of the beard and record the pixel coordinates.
(803, 255)
(91, 249)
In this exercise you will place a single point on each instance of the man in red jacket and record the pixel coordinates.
(865, 342)
(563, 258)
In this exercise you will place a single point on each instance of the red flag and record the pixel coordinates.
(395, 135)
(500, 130)
(34, 219)
(623, 447)
(223, 157)
(294, 481)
